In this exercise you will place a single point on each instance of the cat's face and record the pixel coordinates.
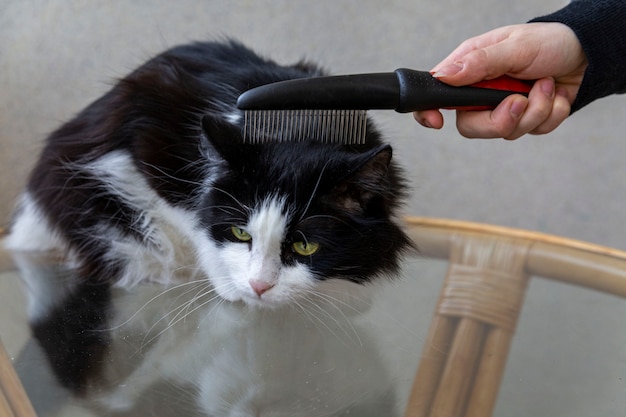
(262, 259)
(284, 218)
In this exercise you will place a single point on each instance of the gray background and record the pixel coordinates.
(569, 356)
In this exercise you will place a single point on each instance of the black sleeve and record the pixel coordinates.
(601, 29)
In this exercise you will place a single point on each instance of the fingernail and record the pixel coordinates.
(449, 70)
(548, 88)
(517, 108)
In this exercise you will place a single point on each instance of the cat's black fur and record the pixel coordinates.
(171, 115)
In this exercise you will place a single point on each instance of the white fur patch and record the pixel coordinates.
(31, 231)
(42, 257)
(166, 255)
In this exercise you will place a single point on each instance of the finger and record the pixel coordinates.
(541, 100)
(498, 123)
(504, 55)
(429, 118)
(472, 44)
(561, 108)
(515, 116)
(485, 64)
(488, 62)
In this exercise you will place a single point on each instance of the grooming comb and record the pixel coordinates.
(333, 109)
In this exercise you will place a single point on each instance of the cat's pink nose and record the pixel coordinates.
(260, 287)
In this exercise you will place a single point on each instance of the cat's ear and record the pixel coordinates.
(367, 188)
(224, 137)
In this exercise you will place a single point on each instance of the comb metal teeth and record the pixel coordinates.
(346, 127)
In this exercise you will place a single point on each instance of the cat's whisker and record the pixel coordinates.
(314, 192)
(242, 205)
(148, 339)
(175, 400)
(177, 318)
(176, 311)
(304, 239)
(161, 294)
(327, 216)
(334, 303)
(187, 304)
(224, 209)
(228, 222)
(312, 318)
(347, 319)
(180, 179)
(327, 315)
(199, 295)
(194, 284)
(216, 307)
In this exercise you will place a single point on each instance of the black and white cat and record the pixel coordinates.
(149, 231)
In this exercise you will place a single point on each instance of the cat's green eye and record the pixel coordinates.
(305, 248)
(241, 234)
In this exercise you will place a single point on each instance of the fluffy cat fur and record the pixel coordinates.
(155, 245)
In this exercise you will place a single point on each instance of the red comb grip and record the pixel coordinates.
(505, 82)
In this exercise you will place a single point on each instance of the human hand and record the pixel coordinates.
(549, 53)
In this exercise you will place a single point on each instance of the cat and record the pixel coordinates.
(150, 231)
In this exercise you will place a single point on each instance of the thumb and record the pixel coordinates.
(482, 64)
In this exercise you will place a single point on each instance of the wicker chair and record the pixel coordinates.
(466, 350)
